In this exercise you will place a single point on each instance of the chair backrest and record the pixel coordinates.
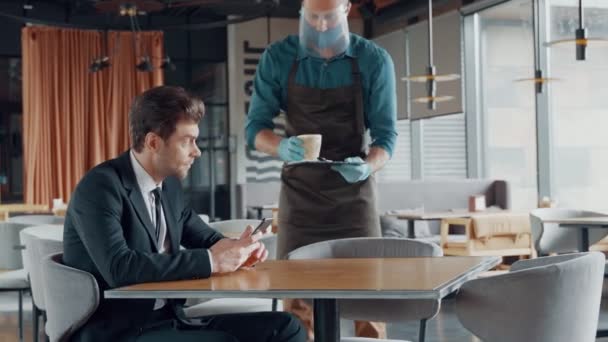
(233, 226)
(72, 296)
(549, 299)
(551, 238)
(36, 220)
(204, 217)
(10, 251)
(388, 310)
(441, 195)
(39, 241)
(270, 242)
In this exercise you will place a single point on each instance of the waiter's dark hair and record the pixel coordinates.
(158, 110)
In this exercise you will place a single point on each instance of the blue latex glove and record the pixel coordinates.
(291, 149)
(353, 173)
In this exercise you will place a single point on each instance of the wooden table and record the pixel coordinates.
(413, 216)
(583, 224)
(7, 209)
(325, 281)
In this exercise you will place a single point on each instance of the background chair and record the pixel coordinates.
(36, 220)
(39, 241)
(377, 310)
(72, 296)
(551, 238)
(550, 299)
(15, 280)
(204, 217)
(197, 307)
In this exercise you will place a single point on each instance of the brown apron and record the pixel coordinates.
(316, 203)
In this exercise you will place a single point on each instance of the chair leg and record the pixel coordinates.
(20, 315)
(422, 331)
(274, 304)
(35, 315)
(46, 337)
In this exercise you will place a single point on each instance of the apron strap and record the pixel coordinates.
(292, 74)
(360, 117)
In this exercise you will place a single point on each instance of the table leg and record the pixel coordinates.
(584, 240)
(410, 229)
(327, 320)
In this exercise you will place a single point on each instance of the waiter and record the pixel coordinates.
(337, 84)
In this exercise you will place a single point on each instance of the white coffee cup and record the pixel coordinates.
(312, 145)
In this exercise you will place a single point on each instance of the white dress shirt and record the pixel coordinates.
(146, 186)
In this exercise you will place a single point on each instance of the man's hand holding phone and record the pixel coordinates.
(231, 254)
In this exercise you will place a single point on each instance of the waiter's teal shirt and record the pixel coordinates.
(377, 77)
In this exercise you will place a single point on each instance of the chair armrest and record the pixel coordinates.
(537, 262)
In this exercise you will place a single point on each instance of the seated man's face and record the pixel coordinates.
(177, 153)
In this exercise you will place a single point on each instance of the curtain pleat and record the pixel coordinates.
(74, 119)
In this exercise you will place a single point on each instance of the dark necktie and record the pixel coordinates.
(156, 193)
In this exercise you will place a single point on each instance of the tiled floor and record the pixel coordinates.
(443, 328)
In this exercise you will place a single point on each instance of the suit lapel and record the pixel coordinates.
(130, 183)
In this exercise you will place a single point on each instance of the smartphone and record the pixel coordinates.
(264, 224)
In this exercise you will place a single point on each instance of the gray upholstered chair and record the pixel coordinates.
(197, 307)
(551, 238)
(382, 309)
(233, 226)
(550, 299)
(72, 296)
(39, 241)
(204, 217)
(16, 279)
(36, 220)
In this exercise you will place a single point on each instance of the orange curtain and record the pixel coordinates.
(74, 119)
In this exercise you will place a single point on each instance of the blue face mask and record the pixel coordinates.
(332, 41)
(325, 39)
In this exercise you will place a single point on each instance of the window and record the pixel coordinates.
(444, 147)
(11, 148)
(578, 107)
(508, 114)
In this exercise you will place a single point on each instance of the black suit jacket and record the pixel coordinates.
(108, 232)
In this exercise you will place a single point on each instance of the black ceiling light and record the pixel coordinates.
(538, 78)
(103, 61)
(145, 65)
(167, 64)
(143, 61)
(431, 78)
(99, 64)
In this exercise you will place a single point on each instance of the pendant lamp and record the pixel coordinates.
(580, 37)
(538, 78)
(431, 78)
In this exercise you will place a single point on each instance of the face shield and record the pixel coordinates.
(324, 34)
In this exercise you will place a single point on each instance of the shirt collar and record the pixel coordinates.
(350, 52)
(144, 180)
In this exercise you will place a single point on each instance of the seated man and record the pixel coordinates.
(127, 220)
